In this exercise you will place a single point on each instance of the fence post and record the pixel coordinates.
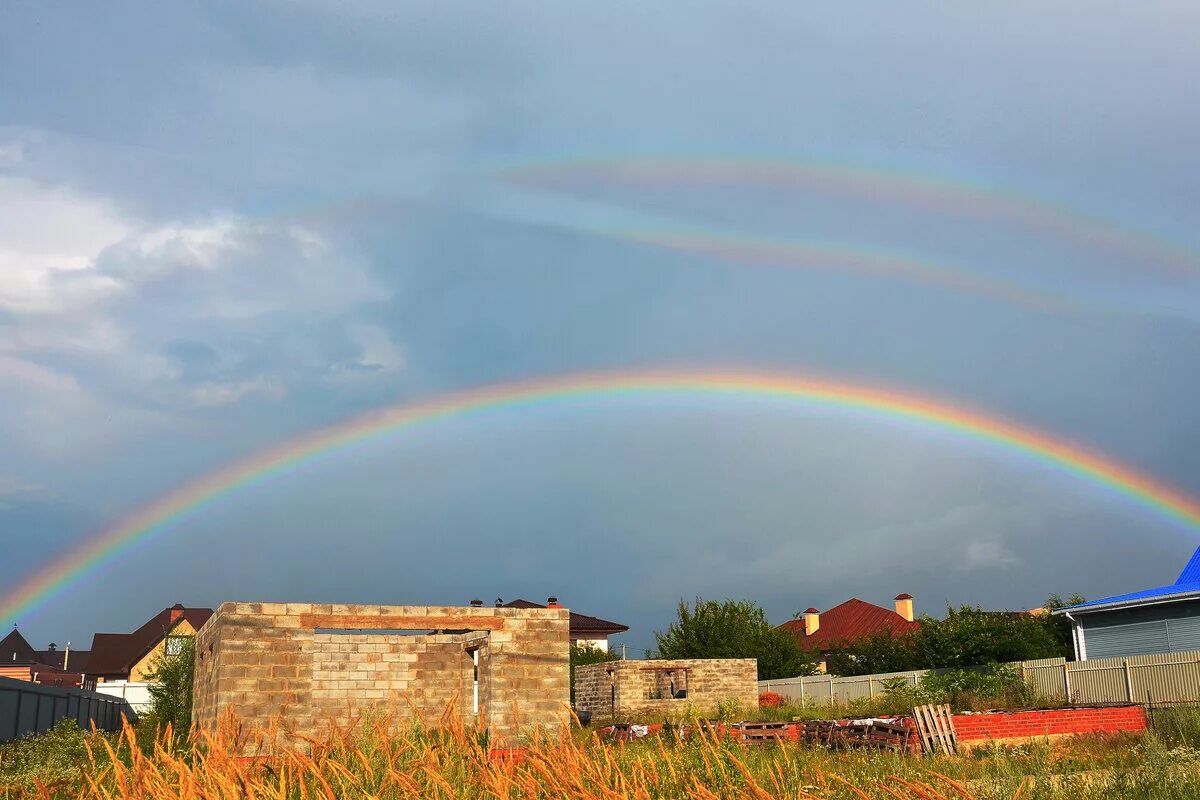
(1067, 681)
(830, 690)
(1128, 680)
(871, 687)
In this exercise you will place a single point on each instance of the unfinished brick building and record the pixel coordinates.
(649, 688)
(306, 665)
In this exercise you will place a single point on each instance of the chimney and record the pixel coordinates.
(552, 602)
(176, 613)
(904, 606)
(499, 602)
(52, 647)
(476, 604)
(812, 621)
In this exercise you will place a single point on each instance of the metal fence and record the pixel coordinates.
(1156, 678)
(831, 690)
(136, 693)
(31, 708)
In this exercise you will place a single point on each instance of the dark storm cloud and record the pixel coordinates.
(223, 225)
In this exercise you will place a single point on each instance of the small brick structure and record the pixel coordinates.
(1006, 727)
(305, 666)
(645, 688)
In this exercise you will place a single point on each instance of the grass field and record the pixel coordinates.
(453, 762)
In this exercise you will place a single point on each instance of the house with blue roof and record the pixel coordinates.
(1161, 620)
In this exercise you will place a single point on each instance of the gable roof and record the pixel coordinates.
(847, 622)
(15, 650)
(1185, 587)
(78, 662)
(116, 653)
(580, 623)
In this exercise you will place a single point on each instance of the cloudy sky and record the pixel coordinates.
(223, 225)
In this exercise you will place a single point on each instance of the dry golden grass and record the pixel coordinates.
(379, 760)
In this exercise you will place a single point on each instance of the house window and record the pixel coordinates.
(175, 645)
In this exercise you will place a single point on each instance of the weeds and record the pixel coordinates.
(379, 759)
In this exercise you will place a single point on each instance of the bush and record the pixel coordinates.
(171, 688)
(967, 637)
(770, 700)
(982, 688)
(586, 654)
(53, 758)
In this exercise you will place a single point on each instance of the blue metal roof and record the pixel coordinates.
(1191, 573)
(1187, 583)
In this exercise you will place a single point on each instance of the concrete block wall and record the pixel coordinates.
(642, 686)
(304, 666)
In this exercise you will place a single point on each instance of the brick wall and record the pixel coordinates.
(1053, 722)
(641, 684)
(306, 665)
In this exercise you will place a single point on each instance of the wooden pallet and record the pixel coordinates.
(935, 725)
(886, 736)
(762, 733)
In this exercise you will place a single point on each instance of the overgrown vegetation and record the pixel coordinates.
(733, 629)
(417, 762)
(582, 655)
(967, 637)
(171, 687)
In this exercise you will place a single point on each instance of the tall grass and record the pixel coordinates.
(377, 759)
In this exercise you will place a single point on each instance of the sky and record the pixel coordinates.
(225, 225)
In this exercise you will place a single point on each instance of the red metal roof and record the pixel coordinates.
(847, 622)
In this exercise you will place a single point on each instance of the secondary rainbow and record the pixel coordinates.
(838, 257)
(895, 187)
(536, 395)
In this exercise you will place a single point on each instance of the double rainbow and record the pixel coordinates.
(924, 191)
(536, 395)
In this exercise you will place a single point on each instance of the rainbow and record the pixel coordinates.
(533, 395)
(913, 190)
(843, 258)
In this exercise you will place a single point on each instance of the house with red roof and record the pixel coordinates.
(51, 667)
(132, 656)
(821, 632)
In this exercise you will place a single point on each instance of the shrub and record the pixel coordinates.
(770, 700)
(53, 757)
(967, 637)
(171, 687)
(586, 654)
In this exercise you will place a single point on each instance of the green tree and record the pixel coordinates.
(586, 654)
(970, 636)
(733, 629)
(171, 687)
(967, 637)
(1062, 625)
(878, 652)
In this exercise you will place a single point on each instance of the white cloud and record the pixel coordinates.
(49, 240)
(100, 310)
(213, 393)
(12, 486)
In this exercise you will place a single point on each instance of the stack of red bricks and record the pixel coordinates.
(999, 726)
